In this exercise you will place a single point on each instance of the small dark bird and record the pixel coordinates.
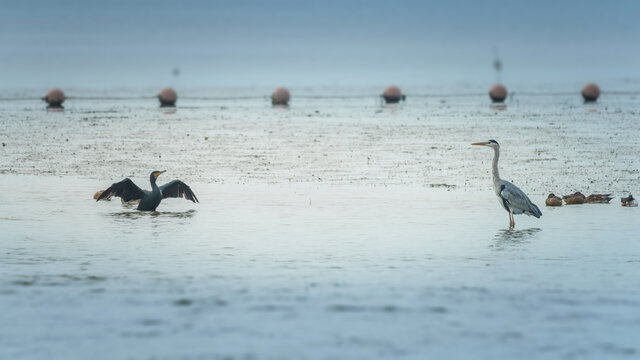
(574, 199)
(598, 198)
(629, 201)
(149, 200)
(553, 200)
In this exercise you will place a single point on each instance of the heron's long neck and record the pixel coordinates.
(496, 175)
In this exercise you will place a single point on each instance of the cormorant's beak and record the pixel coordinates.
(160, 172)
(485, 143)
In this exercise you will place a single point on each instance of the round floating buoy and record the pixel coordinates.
(590, 92)
(168, 97)
(392, 95)
(55, 97)
(280, 96)
(498, 93)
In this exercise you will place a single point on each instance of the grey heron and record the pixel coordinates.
(512, 199)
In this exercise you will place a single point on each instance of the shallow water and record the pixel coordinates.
(319, 234)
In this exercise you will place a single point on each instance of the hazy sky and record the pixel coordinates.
(108, 44)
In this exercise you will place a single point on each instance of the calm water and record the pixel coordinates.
(336, 228)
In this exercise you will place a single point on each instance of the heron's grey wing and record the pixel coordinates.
(124, 189)
(177, 188)
(517, 199)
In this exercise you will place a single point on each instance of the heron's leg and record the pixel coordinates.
(512, 223)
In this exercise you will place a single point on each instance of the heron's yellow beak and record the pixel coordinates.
(480, 143)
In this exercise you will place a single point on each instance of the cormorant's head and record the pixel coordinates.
(154, 175)
(491, 143)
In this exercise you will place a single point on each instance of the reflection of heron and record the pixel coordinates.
(149, 200)
(512, 199)
(506, 238)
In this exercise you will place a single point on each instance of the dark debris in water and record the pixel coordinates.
(183, 302)
(443, 185)
(363, 308)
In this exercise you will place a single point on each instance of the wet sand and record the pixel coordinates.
(548, 144)
(357, 231)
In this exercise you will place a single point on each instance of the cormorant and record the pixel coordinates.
(149, 200)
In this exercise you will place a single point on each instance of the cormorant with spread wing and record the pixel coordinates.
(149, 200)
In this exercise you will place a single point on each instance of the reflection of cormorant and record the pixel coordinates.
(149, 200)
(505, 238)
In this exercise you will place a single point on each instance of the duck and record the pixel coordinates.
(574, 199)
(553, 200)
(598, 198)
(629, 201)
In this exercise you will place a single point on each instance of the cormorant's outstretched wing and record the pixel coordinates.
(125, 189)
(177, 188)
(518, 200)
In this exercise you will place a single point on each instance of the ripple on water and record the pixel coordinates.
(57, 280)
(350, 308)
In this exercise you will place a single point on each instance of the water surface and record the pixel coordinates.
(332, 229)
